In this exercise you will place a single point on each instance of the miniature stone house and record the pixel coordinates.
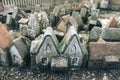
(19, 51)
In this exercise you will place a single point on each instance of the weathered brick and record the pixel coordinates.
(69, 21)
(23, 21)
(61, 26)
(98, 50)
(5, 37)
(112, 23)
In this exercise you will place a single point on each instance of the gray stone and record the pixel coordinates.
(83, 12)
(43, 19)
(111, 61)
(94, 16)
(15, 12)
(33, 27)
(9, 19)
(59, 63)
(78, 18)
(23, 29)
(110, 34)
(24, 14)
(19, 51)
(95, 34)
(52, 16)
(3, 58)
(99, 52)
(75, 14)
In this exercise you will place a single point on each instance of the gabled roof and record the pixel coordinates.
(5, 37)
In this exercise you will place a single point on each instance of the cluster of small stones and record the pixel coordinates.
(28, 74)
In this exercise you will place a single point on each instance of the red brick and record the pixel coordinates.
(112, 23)
(100, 49)
(5, 37)
(100, 40)
(23, 21)
(64, 20)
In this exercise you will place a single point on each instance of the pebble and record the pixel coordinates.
(26, 74)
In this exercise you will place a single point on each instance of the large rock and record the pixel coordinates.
(111, 34)
(9, 20)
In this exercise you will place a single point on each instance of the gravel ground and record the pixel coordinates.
(85, 74)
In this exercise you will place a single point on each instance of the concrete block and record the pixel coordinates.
(52, 16)
(98, 50)
(59, 64)
(83, 12)
(104, 55)
(94, 16)
(19, 51)
(4, 62)
(15, 13)
(110, 34)
(111, 62)
(77, 17)
(9, 20)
